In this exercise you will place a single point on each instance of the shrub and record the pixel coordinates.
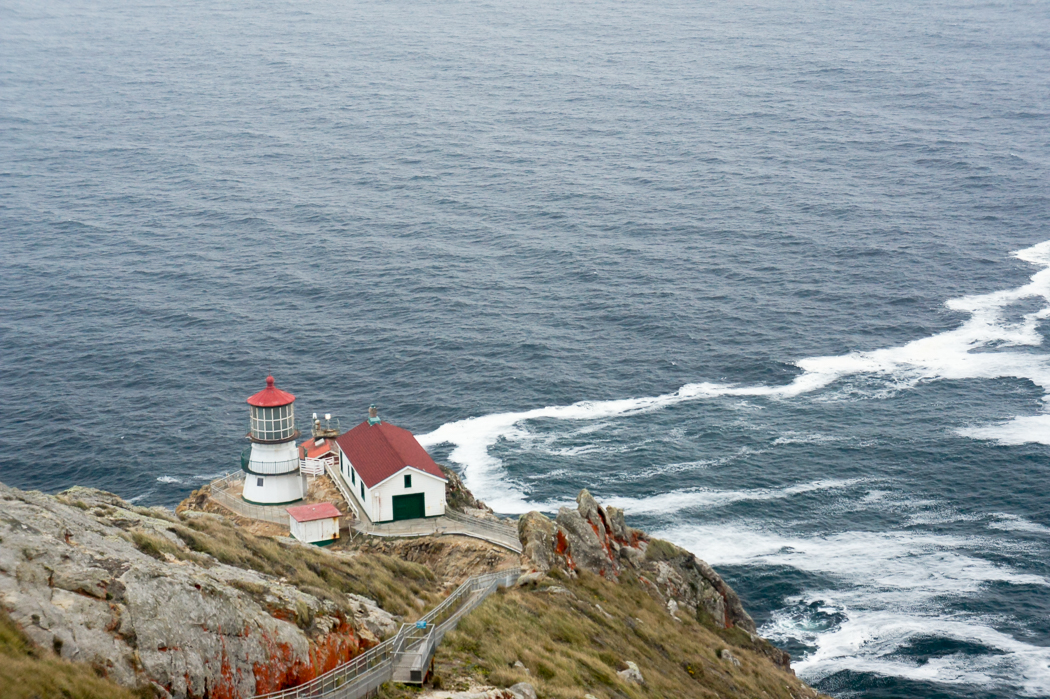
(153, 544)
(660, 550)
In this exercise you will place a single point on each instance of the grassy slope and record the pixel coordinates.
(26, 672)
(400, 587)
(571, 647)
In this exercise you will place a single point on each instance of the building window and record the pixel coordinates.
(353, 478)
(259, 482)
(362, 489)
(408, 480)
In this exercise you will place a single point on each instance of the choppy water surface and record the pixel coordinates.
(772, 276)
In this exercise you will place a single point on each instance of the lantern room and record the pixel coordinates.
(272, 413)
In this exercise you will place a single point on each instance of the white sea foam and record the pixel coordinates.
(695, 498)
(890, 586)
(692, 498)
(1020, 430)
(804, 438)
(887, 592)
(209, 476)
(168, 479)
(1014, 523)
(866, 642)
(666, 469)
(954, 354)
(914, 563)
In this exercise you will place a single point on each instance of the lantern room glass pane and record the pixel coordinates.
(273, 424)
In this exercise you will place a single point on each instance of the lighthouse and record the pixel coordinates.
(271, 463)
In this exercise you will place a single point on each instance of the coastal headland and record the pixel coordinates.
(101, 598)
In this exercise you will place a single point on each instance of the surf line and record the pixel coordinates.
(948, 355)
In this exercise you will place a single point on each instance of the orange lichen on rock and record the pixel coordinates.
(285, 669)
(227, 685)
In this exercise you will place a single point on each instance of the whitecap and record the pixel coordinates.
(910, 563)
(1020, 430)
(1015, 523)
(791, 437)
(168, 479)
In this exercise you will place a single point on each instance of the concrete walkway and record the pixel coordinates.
(494, 532)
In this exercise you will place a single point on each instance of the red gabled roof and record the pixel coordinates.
(310, 513)
(271, 396)
(379, 451)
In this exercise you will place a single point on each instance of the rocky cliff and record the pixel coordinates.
(597, 539)
(187, 608)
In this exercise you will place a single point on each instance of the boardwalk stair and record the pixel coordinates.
(405, 657)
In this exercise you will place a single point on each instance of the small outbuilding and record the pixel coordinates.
(317, 523)
(316, 453)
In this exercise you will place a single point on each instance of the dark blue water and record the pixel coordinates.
(743, 269)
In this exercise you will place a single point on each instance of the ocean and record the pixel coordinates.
(772, 276)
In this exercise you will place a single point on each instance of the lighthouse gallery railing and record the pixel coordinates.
(404, 655)
(276, 514)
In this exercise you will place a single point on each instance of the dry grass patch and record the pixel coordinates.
(155, 545)
(398, 586)
(27, 672)
(572, 647)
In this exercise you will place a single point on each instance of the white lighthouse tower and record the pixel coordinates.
(271, 464)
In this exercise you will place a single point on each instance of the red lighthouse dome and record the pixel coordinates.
(271, 396)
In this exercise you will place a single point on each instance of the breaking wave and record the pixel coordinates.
(977, 349)
(889, 596)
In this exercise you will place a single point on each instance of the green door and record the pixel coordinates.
(409, 506)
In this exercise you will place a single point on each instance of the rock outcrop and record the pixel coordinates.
(459, 498)
(631, 674)
(597, 539)
(522, 690)
(95, 578)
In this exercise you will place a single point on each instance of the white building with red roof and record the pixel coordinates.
(316, 523)
(390, 474)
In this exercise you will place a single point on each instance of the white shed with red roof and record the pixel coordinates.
(317, 523)
(390, 473)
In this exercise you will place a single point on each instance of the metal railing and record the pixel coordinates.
(337, 478)
(270, 468)
(406, 656)
(449, 523)
(496, 527)
(315, 467)
(266, 513)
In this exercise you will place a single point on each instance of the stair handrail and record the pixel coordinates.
(387, 652)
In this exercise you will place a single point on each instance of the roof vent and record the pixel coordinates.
(373, 415)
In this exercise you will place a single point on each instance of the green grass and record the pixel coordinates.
(27, 672)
